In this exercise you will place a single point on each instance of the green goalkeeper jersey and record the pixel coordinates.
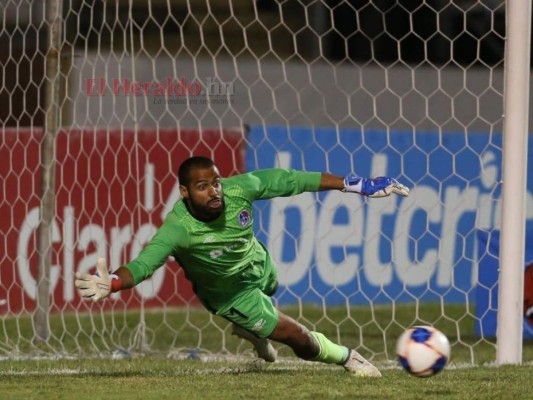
(217, 256)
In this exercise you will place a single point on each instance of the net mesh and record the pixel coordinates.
(412, 90)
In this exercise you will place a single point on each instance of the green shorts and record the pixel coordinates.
(253, 308)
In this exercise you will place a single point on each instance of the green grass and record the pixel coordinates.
(77, 361)
(155, 378)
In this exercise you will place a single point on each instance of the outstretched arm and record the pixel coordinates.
(331, 182)
(100, 285)
(278, 182)
(371, 187)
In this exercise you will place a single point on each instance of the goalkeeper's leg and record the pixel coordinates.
(314, 346)
(262, 346)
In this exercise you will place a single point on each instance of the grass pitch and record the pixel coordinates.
(150, 378)
(189, 354)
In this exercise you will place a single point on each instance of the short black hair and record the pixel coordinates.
(184, 171)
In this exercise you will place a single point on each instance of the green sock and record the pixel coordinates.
(330, 353)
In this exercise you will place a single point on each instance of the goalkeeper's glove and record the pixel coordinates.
(374, 187)
(98, 286)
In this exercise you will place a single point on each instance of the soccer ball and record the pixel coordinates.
(423, 351)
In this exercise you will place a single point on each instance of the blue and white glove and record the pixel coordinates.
(374, 187)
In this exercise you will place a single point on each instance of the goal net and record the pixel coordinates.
(102, 100)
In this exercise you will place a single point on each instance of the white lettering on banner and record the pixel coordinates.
(348, 234)
(120, 237)
(90, 234)
(421, 198)
(172, 198)
(96, 235)
(149, 288)
(149, 186)
(291, 272)
(457, 204)
(488, 208)
(28, 282)
(68, 253)
(376, 272)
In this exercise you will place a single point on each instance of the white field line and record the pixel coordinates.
(245, 367)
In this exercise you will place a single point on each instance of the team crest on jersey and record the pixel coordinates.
(245, 218)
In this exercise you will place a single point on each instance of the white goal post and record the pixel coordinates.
(517, 70)
(101, 100)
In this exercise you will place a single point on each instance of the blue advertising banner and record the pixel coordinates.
(336, 248)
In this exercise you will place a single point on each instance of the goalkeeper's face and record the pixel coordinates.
(204, 196)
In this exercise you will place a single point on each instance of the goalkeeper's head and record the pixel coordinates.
(201, 188)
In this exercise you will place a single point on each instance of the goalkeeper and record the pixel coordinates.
(210, 234)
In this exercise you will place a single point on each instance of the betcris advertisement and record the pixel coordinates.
(336, 247)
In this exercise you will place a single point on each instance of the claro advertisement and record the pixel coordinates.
(113, 189)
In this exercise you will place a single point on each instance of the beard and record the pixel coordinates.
(206, 212)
